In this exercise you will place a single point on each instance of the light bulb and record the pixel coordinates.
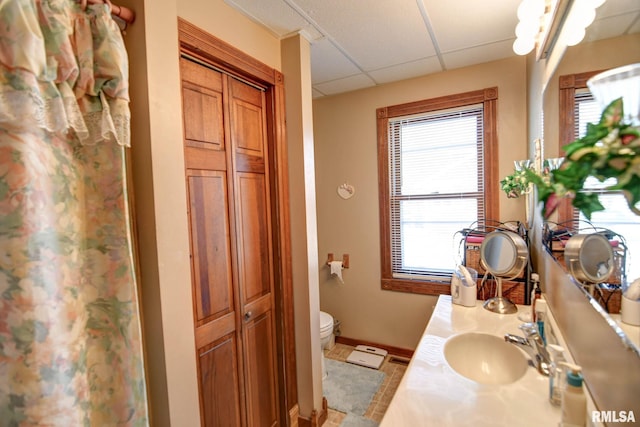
(530, 9)
(575, 36)
(527, 29)
(585, 16)
(596, 3)
(523, 46)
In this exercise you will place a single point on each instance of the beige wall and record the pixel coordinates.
(226, 23)
(345, 140)
(162, 227)
(296, 65)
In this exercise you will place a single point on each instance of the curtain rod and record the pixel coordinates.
(122, 12)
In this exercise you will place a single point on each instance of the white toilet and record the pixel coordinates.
(327, 339)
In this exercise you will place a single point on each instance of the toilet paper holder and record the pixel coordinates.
(345, 260)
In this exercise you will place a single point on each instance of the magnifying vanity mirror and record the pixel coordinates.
(504, 254)
(563, 242)
(589, 259)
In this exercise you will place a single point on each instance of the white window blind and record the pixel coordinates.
(617, 216)
(436, 188)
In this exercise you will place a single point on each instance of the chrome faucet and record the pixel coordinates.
(533, 345)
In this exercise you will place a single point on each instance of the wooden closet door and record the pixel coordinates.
(209, 185)
(254, 250)
(231, 248)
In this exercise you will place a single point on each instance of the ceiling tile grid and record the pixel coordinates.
(355, 82)
(328, 63)
(362, 43)
(375, 34)
(407, 70)
(478, 54)
(460, 24)
(276, 15)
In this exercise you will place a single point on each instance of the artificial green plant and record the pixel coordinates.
(609, 149)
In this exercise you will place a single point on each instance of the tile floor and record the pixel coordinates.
(393, 374)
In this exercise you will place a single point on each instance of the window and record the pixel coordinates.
(437, 177)
(617, 216)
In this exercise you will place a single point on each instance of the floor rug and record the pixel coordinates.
(352, 420)
(350, 388)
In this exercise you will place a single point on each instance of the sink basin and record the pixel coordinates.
(485, 358)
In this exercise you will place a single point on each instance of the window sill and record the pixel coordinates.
(416, 287)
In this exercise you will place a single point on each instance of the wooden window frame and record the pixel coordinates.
(568, 85)
(489, 99)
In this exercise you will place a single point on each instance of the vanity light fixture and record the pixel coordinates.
(541, 22)
(583, 13)
(530, 13)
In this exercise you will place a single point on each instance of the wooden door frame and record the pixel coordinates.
(205, 47)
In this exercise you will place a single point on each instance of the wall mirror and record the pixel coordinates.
(597, 52)
(504, 254)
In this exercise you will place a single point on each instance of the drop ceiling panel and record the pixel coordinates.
(610, 26)
(358, 81)
(617, 7)
(409, 70)
(375, 34)
(276, 15)
(361, 43)
(460, 24)
(478, 55)
(614, 18)
(329, 63)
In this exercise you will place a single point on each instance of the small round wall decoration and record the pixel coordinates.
(346, 191)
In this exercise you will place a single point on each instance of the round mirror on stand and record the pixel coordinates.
(504, 254)
(589, 259)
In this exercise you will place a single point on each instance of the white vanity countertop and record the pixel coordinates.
(431, 393)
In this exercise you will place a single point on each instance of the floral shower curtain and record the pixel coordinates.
(70, 338)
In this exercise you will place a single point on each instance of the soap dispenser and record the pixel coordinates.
(574, 401)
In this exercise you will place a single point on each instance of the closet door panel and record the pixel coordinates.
(254, 250)
(198, 132)
(218, 373)
(210, 245)
(262, 405)
(253, 236)
(202, 106)
(248, 121)
(209, 184)
(232, 259)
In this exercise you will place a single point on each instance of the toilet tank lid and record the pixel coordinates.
(326, 320)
